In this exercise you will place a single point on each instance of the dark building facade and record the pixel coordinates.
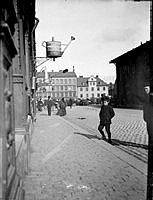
(132, 73)
(17, 55)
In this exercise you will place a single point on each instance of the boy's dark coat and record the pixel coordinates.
(106, 114)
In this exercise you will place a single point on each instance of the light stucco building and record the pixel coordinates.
(91, 87)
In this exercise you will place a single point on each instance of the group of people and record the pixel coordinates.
(59, 105)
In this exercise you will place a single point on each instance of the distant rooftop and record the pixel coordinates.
(40, 74)
(83, 81)
(61, 74)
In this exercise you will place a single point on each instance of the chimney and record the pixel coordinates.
(73, 69)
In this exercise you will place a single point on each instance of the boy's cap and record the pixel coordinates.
(146, 83)
(106, 99)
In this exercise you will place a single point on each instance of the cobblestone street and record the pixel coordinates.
(128, 128)
(127, 125)
(66, 165)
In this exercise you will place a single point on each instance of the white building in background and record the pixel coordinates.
(91, 87)
(57, 85)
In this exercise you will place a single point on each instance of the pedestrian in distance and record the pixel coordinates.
(49, 105)
(70, 103)
(62, 107)
(105, 115)
(40, 105)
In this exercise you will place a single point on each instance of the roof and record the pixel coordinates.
(100, 82)
(60, 74)
(131, 52)
(83, 81)
(40, 74)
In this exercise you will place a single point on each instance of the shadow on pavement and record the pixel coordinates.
(87, 135)
(114, 141)
(124, 143)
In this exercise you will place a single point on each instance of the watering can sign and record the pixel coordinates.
(53, 48)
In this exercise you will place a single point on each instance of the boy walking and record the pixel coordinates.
(106, 114)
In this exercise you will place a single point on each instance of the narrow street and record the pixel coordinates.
(69, 162)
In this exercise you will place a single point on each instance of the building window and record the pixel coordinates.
(98, 95)
(69, 81)
(92, 89)
(90, 83)
(74, 87)
(65, 81)
(70, 88)
(62, 95)
(74, 94)
(61, 87)
(74, 81)
(52, 80)
(66, 94)
(86, 89)
(92, 95)
(61, 81)
(70, 94)
(98, 88)
(81, 89)
(81, 95)
(104, 88)
(87, 95)
(93, 83)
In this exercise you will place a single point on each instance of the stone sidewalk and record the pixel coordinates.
(66, 165)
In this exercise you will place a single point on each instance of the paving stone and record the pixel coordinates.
(79, 168)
